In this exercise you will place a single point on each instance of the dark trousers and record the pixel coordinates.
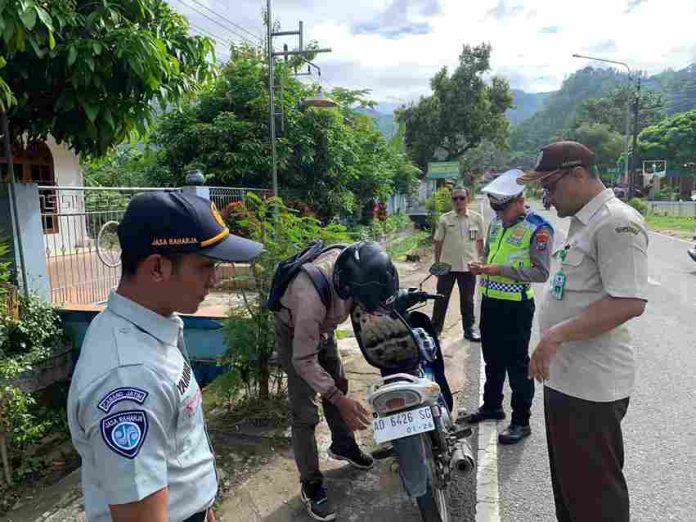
(506, 327)
(586, 458)
(466, 281)
(304, 411)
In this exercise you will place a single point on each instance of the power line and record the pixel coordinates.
(213, 20)
(197, 2)
(205, 32)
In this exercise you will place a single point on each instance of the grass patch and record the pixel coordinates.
(679, 226)
(411, 244)
(344, 334)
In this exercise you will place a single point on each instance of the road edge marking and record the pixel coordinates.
(671, 237)
(487, 494)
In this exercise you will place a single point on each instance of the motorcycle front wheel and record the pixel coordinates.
(433, 505)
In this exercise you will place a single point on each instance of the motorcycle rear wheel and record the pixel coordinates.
(433, 505)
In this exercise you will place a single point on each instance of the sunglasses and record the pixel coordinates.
(551, 186)
(459, 198)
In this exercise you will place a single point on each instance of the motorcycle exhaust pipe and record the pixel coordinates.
(463, 459)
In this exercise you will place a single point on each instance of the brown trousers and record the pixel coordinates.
(304, 408)
(586, 456)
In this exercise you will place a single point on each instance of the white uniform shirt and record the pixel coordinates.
(135, 414)
(606, 255)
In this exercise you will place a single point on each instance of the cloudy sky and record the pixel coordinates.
(393, 47)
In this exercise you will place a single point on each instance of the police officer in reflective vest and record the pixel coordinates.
(517, 253)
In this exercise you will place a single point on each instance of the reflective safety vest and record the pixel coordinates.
(510, 247)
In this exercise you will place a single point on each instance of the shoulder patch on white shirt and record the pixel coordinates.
(121, 394)
(124, 432)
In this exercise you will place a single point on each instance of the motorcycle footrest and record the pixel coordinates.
(462, 432)
(383, 452)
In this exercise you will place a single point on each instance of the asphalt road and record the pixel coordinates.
(659, 429)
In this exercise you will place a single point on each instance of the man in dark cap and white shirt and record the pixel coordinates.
(585, 357)
(134, 406)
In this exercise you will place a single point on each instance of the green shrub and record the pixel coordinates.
(250, 330)
(438, 204)
(25, 339)
(640, 205)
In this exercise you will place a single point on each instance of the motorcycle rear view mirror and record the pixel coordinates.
(440, 269)
(437, 269)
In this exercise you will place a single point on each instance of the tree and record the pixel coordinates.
(610, 110)
(607, 144)
(336, 159)
(90, 73)
(674, 140)
(462, 111)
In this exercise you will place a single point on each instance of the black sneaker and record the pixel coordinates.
(354, 456)
(316, 502)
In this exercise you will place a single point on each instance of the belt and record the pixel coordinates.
(512, 288)
(197, 517)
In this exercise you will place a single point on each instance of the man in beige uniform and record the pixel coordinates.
(585, 356)
(458, 241)
(305, 336)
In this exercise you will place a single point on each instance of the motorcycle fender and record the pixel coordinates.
(412, 465)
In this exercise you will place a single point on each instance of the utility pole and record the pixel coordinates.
(270, 34)
(271, 84)
(627, 162)
(636, 129)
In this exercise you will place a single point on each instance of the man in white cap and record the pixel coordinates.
(517, 253)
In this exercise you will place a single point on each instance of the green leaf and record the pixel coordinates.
(72, 56)
(3, 62)
(92, 111)
(51, 40)
(28, 17)
(44, 17)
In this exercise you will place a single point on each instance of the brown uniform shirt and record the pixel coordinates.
(311, 321)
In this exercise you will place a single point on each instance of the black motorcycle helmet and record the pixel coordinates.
(365, 273)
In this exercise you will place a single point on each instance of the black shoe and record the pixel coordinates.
(471, 334)
(316, 502)
(484, 414)
(354, 456)
(514, 433)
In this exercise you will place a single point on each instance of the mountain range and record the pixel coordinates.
(537, 118)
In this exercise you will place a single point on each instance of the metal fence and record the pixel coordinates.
(82, 249)
(81, 246)
(223, 196)
(672, 208)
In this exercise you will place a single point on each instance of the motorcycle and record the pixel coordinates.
(412, 401)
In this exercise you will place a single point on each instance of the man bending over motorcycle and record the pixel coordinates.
(362, 274)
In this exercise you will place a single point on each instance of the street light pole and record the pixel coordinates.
(628, 109)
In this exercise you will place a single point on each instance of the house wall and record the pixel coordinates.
(69, 205)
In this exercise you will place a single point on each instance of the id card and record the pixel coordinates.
(558, 288)
(473, 234)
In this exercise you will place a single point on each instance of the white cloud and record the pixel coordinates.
(393, 47)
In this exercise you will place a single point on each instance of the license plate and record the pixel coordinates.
(403, 424)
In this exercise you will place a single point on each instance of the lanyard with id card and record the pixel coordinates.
(559, 278)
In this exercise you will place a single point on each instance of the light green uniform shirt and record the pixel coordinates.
(459, 235)
(606, 255)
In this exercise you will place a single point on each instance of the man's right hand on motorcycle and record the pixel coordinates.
(354, 414)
